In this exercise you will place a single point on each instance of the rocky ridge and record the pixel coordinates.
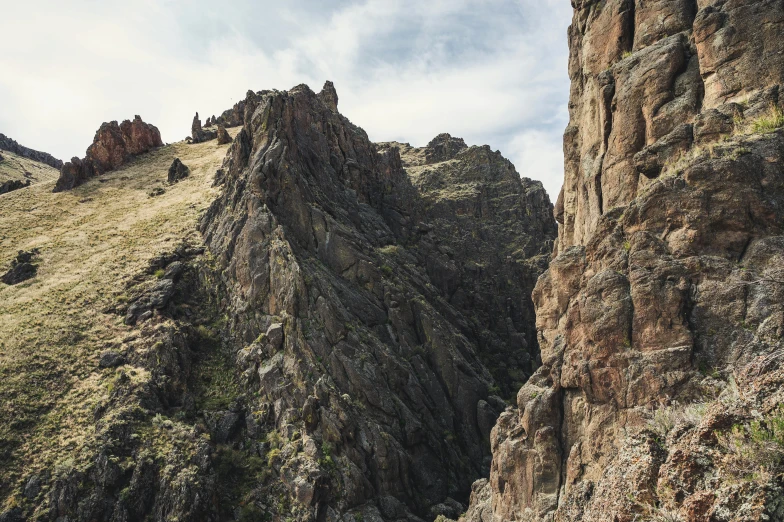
(321, 236)
(10, 145)
(333, 355)
(114, 144)
(660, 319)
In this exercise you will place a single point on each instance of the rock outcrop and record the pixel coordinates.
(22, 268)
(223, 135)
(13, 184)
(660, 319)
(10, 145)
(178, 171)
(233, 117)
(489, 235)
(198, 134)
(356, 328)
(114, 144)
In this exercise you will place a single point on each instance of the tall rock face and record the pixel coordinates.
(114, 144)
(661, 318)
(352, 311)
(10, 145)
(488, 239)
(642, 73)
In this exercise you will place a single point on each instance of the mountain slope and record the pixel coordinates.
(93, 242)
(19, 168)
(326, 357)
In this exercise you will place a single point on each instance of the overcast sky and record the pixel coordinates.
(490, 71)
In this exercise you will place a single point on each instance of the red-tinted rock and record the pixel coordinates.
(114, 144)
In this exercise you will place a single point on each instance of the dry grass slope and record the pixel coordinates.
(52, 329)
(20, 168)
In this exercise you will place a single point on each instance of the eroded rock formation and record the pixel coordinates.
(660, 320)
(198, 134)
(114, 144)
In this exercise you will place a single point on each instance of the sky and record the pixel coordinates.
(490, 71)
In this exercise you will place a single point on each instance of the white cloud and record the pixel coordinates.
(539, 155)
(490, 71)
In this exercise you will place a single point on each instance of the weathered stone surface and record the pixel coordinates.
(641, 69)
(10, 145)
(485, 238)
(233, 117)
(666, 288)
(13, 184)
(178, 171)
(114, 144)
(340, 276)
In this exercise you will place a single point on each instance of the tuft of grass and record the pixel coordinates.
(666, 418)
(768, 122)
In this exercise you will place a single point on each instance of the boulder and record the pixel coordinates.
(223, 135)
(178, 171)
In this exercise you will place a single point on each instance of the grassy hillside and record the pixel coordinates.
(92, 241)
(18, 167)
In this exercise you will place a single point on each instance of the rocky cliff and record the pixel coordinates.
(338, 349)
(660, 319)
(350, 307)
(114, 144)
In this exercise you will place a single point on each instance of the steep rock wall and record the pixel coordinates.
(344, 323)
(660, 319)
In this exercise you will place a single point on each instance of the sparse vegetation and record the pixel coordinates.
(90, 251)
(21, 168)
(756, 447)
(666, 418)
(768, 122)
